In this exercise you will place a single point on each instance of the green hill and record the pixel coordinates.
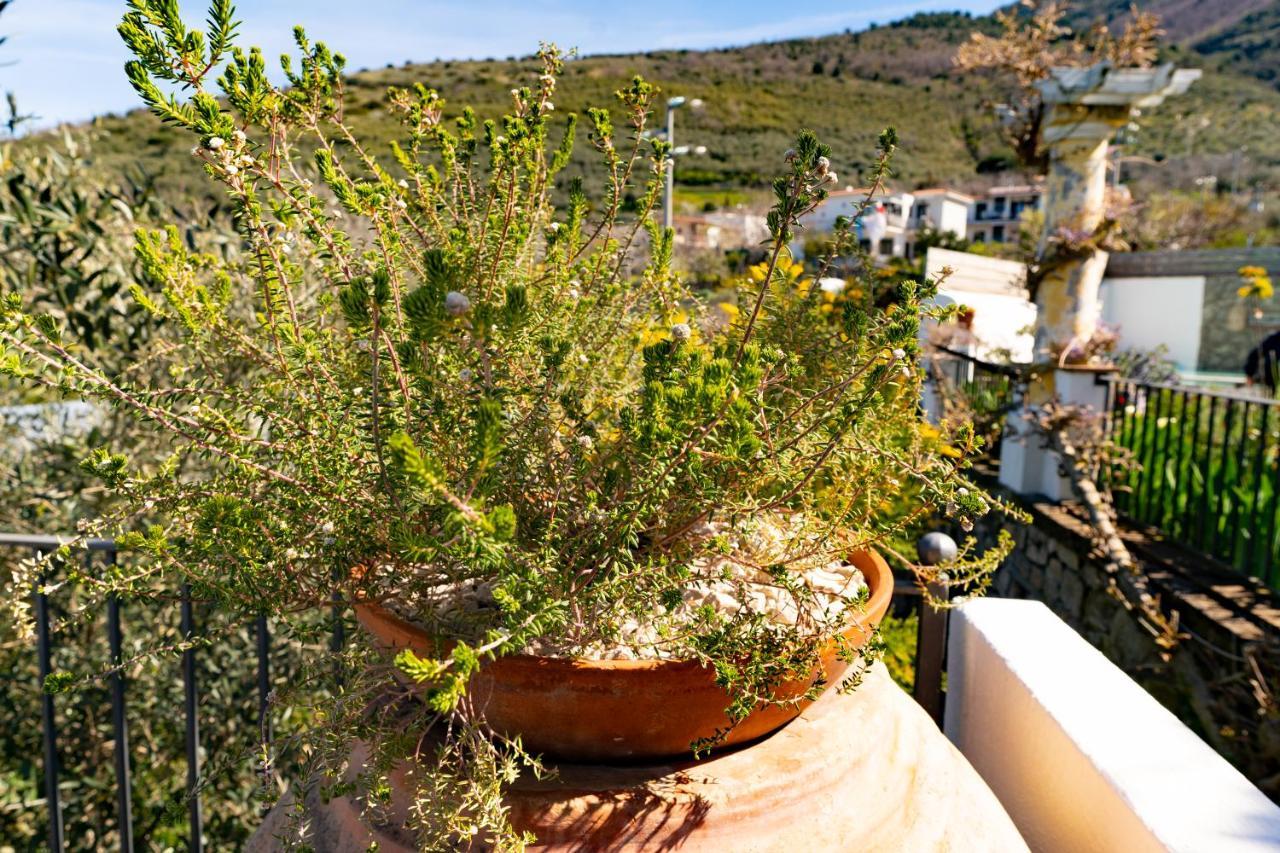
(846, 87)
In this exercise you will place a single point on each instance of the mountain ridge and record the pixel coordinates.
(847, 87)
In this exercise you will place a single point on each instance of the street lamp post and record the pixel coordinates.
(669, 197)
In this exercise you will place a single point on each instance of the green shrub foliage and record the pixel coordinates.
(443, 366)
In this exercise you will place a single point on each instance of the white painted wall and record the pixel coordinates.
(953, 216)
(995, 289)
(1152, 311)
(1082, 757)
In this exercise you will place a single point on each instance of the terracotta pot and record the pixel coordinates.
(611, 710)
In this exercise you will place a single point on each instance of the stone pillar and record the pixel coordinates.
(1083, 109)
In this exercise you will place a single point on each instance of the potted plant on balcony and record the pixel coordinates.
(593, 514)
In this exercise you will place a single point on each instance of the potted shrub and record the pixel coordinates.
(593, 513)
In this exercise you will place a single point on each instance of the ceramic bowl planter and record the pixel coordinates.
(624, 710)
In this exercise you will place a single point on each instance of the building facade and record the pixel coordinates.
(994, 216)
(893, 222)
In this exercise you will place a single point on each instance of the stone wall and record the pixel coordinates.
(1222, 679)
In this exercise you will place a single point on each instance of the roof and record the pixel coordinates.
(1016, 189)
(942, 191)
(861, 191)
(1207, 262)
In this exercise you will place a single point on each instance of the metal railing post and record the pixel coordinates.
(194, 818)
(119, 723)
(49, 727)
(931, 630)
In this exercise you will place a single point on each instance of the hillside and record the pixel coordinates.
(846, 87)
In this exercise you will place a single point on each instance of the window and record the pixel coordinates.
(997, 234)
(980, 211)
(921, 210)
(886, 246)
(997, 207)
(865, 244)
(979, 236)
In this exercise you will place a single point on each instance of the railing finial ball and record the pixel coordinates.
(936, 547)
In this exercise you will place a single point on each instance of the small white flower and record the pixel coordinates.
(499, 139)
(906, 372)
(966, 525)
(899, 353)
(456, 304)
(286, 248)
(962, 492)
(823, 166)
(216, 142)
(238, 136)
(832, 178)
(586, 442)
(233, 169)
(681, 332)
(197, 151)
(548, 106)
(465, 374)
(246, 160)
(400, 203)
(574, 293)
(402, 184)
(327, 527)
(582, 358)
(547, 78)
(515, 93)
(553, 227)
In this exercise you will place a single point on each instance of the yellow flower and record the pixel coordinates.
(1256, 283)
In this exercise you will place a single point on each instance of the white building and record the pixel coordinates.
(940, 209)
(890, 225)
(994, 217)
(721, 230)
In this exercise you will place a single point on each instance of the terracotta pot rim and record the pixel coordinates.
(875, 572)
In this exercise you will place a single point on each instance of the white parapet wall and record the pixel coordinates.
(1158, 311)
(1082, 757)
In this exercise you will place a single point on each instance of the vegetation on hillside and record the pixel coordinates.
(844, 86)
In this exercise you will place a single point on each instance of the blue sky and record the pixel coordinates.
(63, 58)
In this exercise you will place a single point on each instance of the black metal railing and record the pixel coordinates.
(986, 391)
(1204, 470)
(929, 668)
(103, 549)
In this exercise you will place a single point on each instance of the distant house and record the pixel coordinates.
(891, 224)
(721, 230)
(938, 209)
(993, 217)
